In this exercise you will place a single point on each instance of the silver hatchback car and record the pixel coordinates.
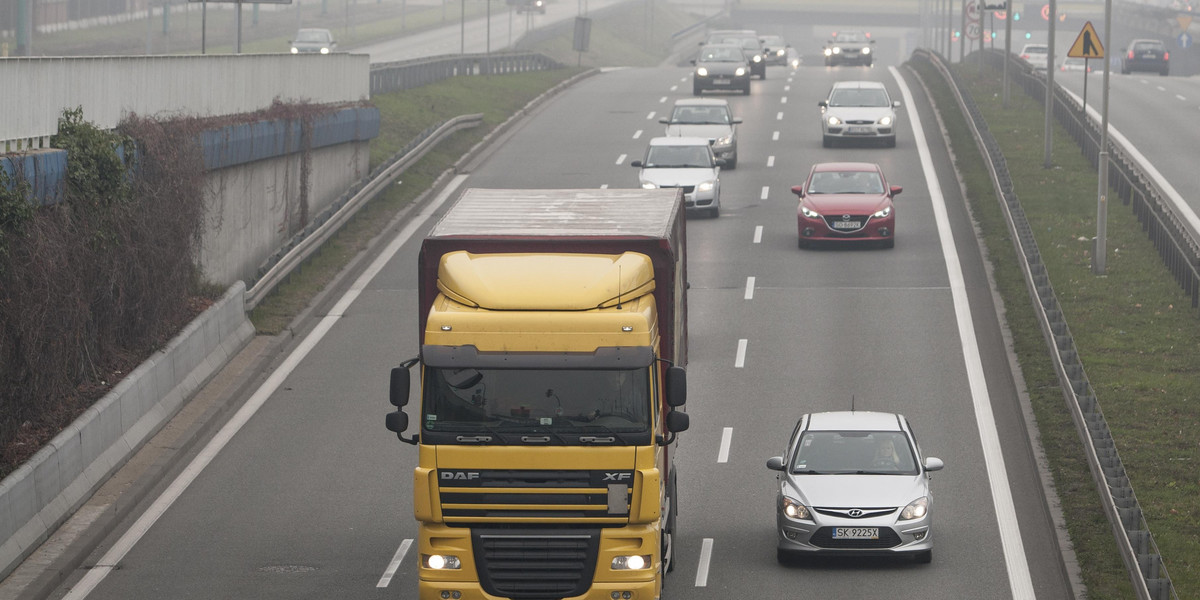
(858, 110)
(854, 483)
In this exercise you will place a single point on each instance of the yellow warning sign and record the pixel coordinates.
(1087, 45)
(1185, 21)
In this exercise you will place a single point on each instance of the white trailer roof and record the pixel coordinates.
(561, 212)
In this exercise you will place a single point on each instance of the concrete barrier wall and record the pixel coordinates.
(109, 88)
(40, 495)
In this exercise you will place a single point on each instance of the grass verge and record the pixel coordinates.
(1137, 340)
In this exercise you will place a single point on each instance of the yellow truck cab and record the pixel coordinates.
(553, 345)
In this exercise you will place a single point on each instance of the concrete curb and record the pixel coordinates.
(40, 495)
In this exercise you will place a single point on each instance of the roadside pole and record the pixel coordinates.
(1100, 250)
(1049, 127)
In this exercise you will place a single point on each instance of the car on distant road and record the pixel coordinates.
(1072, 63)
(537, 6)
(313, 41)
(1037, 55)
(775, 49)
(750, 44)
(849, 48)
(721, 67)
(846, 202)
(687, 163)
(854, 483)
(858, 110)
(1146, 55)
(709, 118)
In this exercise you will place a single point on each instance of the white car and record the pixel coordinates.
(1037, 55)
(709, 118)
(858, 110)
(683, 162)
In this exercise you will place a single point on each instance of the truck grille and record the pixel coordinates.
(544, 496)
(535, 565)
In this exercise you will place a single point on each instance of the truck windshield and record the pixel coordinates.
(554, 401)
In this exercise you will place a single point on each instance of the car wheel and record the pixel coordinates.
(731, 163)
(924, 557)
(802, 243)
(889, 243)
(763, 75)
(785, 557)
(890, 142)
(746, 90)
(827, 141)
(715, 211)
(1165, 71)
(1124, 70)
(697, 90)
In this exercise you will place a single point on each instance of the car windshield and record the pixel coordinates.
(678, 157)
(1036, 50)
(858, 97)
(854, 452)
(849, 37)
(556, 400)
(727, 54)
(700, 115)
(845, 182)
(313, 35)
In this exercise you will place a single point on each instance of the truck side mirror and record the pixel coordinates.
(398, 389)
(676, 386)
(677, 421)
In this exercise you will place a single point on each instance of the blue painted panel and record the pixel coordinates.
(45, 170)
(240, 144)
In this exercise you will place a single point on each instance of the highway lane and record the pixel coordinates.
(312, 497)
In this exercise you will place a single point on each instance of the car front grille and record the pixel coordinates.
(855, 513)
(535, 564)
(823, 538)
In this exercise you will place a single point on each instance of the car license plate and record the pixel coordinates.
(855, 533)
(847, 224)
(721, 81)
(858, 130)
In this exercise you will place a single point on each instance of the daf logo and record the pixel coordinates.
(855, 512)
(845, 217)
(459, 475)
(618, 476)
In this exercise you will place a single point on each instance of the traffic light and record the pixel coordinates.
(1016, 15)
(957, 34)
(1028, 35)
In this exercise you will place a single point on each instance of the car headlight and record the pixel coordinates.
(808, 212)
(837, 50)
(740, 71)
(702, 72)
(794, 510)
(324, 50)
(440, 562)
(833, 120)
(866, 50)
(646, 185)
(828, 51)
(295, 50)
(779, 53)
(724, 140)
(917, 509)
(886, 120)
(883, 212)
(757, 58)
(707, 186)
(631, 563)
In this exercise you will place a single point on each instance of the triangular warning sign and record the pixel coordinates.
(1087, 45)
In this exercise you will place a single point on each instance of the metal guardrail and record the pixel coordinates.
(1142, 558)
(408, 74)
(308, 241)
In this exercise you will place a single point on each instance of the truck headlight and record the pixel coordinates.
(631, 563)
(793, 509)
(916, 509)
(440, 562)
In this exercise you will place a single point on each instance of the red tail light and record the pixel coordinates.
(1130, 54)
(1166, 56)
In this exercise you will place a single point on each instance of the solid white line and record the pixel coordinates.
(637, 134)
(740, 360)
(1019, 580)
(726, 438)
(113, 557)
(775, 136)
(749, 288)
(651, 115)
(621, 158)
(705, 557)
(765, 191)
(779, 116)
(770, 161)
(395, 564)
(758, 234)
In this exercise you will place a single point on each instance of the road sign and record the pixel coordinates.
(1045, 12)
(972, 10)
(1185, 21)
(1184, 40)
(973, 30)
(1087, 45)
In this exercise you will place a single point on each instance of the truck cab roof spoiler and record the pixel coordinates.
(609, 357)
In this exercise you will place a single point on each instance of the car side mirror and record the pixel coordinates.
(636, 163)
(933, 463)
(720, 162)
(693, 61)
(736, 121)
(896, 190)
(775, 463)
(798, 190)
(665, 121)
(823, 104)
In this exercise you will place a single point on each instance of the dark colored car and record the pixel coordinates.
(846, 202)
(751, 46)
(721, 67)
(849, 48)
(1146, 55)
(775, 48)
(537, 6)
(313, 41)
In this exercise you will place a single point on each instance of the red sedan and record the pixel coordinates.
(846, 202)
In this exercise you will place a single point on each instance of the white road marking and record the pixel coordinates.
(604, 186)
(705, 557)
(674, 87)
(1160, 88)
(765, 192)
(779, 116)
(770, 161)
(758, 234)
(787, 88)
(740, 360)
(783, 100)
(621, 159)
(775, 136)
(395, 564)
(1181, 97)
(1019, 581)
(662, 100)
(749, 288)
(637, 134)
(117, 552)
(726, 437)
(651, 115)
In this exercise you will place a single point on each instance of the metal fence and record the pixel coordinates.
(408, 74)
(1134, 541)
